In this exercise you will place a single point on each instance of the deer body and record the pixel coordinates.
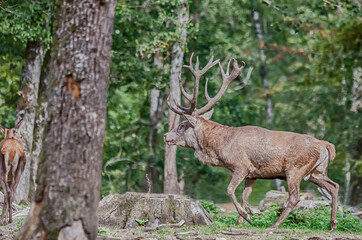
(12, 163)
(267, 154)
(251, 152)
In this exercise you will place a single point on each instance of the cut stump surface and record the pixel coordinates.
(122, 211)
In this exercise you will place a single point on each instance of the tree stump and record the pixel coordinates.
(122, 211)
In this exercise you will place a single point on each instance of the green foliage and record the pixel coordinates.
(314, 219)
(19, 224)
(312, 50)
(104, 232)
(142, 222)
(210, 207)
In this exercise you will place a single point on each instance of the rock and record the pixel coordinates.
(122, 211)
(281, 199)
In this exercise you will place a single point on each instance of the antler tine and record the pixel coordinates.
(225, 83)
(184, 109)
(175, 110)
(197, 65)
(228, 67)
(186, 95)
(208, 98)
(209, 65)
(236, 69)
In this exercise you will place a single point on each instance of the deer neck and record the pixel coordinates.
(210, 142)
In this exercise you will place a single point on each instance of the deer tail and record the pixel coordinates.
(331, 150)
(15, 160)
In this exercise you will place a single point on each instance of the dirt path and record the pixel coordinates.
(217, 232)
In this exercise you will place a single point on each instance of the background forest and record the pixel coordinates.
(303, 73)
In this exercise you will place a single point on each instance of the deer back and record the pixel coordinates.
(12, 146)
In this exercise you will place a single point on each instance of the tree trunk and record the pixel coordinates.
(263, 71)
(156, 113)
(347, 179)
(264, 77)
(41, 118)
(26, 110)
(69, 173)
(171, 184)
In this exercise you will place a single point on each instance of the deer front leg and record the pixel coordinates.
(249, 184)
(293, 190)
(237, 178)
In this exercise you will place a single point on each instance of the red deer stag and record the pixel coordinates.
(250, 152)
(12, 163)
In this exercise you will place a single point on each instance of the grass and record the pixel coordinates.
(315, 219)
(103, 232)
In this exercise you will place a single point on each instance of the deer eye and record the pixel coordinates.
(180, 128)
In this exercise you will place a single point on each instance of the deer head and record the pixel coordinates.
(11, 133)
(184, 135)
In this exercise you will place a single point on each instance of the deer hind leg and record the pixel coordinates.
(18, 170)
(324, 182)
(249, 184)
(5, 168)
(293, 190)
(237, 178)
(4, 214)
(14, 170)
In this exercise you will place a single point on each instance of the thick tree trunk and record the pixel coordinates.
(69, 173)
(171, 184)
(41, 118)
(26, 110)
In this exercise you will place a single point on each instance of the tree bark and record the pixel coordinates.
(123, 211)
(26, 110)
(171, 184)
(156, 113)
(69, 172)
(41, 118)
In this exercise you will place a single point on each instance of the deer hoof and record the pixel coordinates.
(240, 221)
(249, 220)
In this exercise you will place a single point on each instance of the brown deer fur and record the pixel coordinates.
(252, 153)
(12, 163)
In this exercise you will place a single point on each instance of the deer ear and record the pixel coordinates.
(191, 119)
(2, 129)
(208, 115)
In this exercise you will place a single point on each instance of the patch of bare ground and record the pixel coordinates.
(216, 231)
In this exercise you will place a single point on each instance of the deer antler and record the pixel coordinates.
(192, 98)
(197, 73)
(226, 80)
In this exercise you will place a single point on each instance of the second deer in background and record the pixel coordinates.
(12, 163)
